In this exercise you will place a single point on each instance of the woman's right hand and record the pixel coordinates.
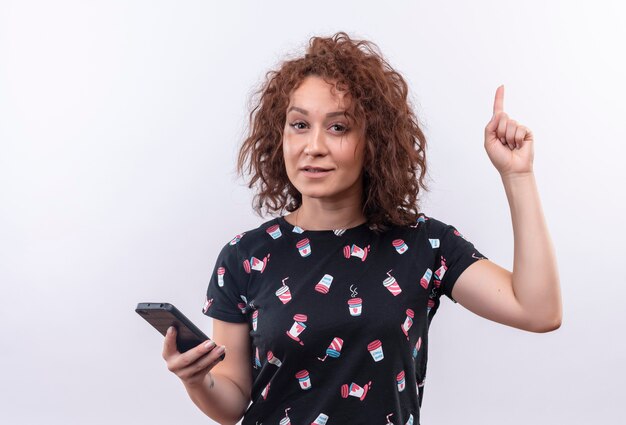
(193, 365)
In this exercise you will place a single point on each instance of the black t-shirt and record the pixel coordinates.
(338, 319)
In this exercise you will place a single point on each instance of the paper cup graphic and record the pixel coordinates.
(408, 322)
(339, 232)
(258, 265)
(355, 390)
(273, 359)
(283, 294)
(400, 381)
(207, 304)
(304, 247)
(320, 420)
(425, 280)
(434, 243)
(400, 246)
(297, 328)
(376, 350)
(334, 349)
(242, 307)
(410, 420)
(274, 231)
(257, 359)
(255, 319)
(430, 305)
(391, 284)
(304, 380)
(297, 229)
(236, 239)
(285, 421)
(441, 270)
(417, 347)
(355, 305)
(220, 276)
(323, 285)
(346, 251)
(246, 266)
(265, 390)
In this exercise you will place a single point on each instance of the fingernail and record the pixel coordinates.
(170, 329)
(221, 349)
(209, 344)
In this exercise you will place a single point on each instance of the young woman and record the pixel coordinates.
(325, 311)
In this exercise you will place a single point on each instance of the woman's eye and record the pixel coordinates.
(297, 124)
(339, 127)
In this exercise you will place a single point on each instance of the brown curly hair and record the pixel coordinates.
(395, 151)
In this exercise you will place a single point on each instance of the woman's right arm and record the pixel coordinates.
(221, 389)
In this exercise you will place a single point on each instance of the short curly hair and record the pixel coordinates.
(395, 153)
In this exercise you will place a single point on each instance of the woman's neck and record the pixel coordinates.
(316, 215)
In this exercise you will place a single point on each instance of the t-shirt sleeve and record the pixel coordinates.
(455, 254)
(227, 290)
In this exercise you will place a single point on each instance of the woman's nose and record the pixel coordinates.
(316, 143)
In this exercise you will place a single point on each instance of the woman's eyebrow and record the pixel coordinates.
(305, 112)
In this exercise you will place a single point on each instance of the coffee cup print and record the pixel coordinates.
(220, 276)
(304, 380)
(334, 349)
(355, 390)
(434, 243)
(242, 307)
(297, 328)
(285, 420)
(408, 322)
(297, 229)
(255, 320)
(304, 247)
(256, 264)
(257, 359)
(274, 231)
(430, 305)
(417, 347)
(400, 381)
(355, 305)
(283, 293)
(207, 304)
(236, 239)
(273, 359)
(323, 286)
(320, 420)
(355, 251)
(400, 246)
(425, 280)
(265, 391)
(441, 270)
(392, 285)
(410, 420)
(376, 350)
(420, 219)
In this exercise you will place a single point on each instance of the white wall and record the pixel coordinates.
(119, 125)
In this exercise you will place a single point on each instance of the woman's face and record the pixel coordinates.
(323, 150)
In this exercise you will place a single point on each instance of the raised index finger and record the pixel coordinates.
(498, 103)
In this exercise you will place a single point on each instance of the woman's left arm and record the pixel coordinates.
(530, 297)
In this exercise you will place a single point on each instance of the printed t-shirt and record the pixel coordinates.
(338, 319)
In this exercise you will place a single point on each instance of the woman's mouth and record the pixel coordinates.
(315, 172)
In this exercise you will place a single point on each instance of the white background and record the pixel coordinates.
(119, 126)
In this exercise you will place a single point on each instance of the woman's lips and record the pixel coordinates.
(315, 173)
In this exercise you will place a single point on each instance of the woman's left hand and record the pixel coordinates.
(508, 144)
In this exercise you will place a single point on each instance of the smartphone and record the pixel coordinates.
(164, 315)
